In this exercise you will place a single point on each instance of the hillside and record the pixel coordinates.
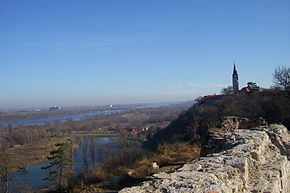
(217, 127)
(255, 162)
(271, 105)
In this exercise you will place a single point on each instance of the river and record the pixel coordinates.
(75, 117)
(62, 119)
(32, 176)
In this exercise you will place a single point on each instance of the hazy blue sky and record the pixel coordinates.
(89, 52)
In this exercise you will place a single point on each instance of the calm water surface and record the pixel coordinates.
(32, 176)
(76, 117)
(62, 119)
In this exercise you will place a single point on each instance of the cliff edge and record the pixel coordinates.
(242, 160)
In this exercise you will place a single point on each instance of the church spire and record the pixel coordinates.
(235, 71)
(235, 79)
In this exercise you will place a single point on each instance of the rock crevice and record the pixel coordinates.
(255, 162)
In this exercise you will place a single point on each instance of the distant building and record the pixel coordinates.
(54, 108)
(245, 90)
(209, 97)
(235, 79)
(136, 131)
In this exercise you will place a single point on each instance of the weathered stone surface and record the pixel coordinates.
(255, 162)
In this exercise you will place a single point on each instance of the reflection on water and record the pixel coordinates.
(90, 151)
(31, 176)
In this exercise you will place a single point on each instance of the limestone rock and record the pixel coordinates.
(155, 165)
(246, 160)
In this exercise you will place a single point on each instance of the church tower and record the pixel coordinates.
(235, 79)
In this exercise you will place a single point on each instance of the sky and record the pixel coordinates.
(91, 52)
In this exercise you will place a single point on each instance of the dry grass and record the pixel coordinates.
(96, 175)
(176, 153)
(30, 154)
(169, 156)
(142, 169)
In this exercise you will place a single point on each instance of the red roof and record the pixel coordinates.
(137, 129)
(211, 96)
(245, 89)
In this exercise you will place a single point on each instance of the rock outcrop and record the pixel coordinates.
(244, 160)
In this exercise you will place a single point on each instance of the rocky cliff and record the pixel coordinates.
(242, 160)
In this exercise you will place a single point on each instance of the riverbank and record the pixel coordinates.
(31, 177)
(30, 154)
(29, 146)
(96, 135)
(132, 164)
(116, 171)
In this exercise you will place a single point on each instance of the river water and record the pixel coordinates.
(62, 119)
(32, 176)
(75, 117)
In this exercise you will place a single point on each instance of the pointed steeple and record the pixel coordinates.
(235, 71)
(235, 79)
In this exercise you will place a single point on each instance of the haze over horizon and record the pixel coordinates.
(74, 53)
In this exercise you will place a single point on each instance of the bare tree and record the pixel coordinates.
(252, 86)
(85, 151)
(227, 91)
(281, 77)
(93, 151)
(5, 171)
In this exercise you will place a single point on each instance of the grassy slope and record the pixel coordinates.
(192, 126)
